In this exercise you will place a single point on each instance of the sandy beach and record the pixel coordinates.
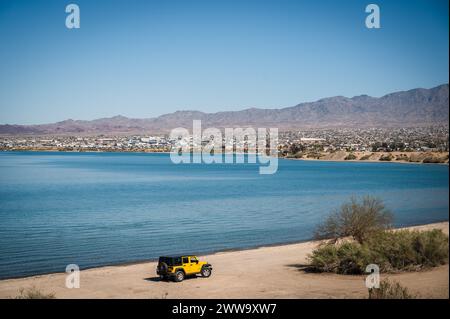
(237, 274)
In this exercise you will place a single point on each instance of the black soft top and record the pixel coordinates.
(170, 260)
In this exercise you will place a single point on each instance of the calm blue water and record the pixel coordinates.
(105, 208)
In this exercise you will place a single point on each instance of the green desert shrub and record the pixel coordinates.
(314, 155)
(350, 157)
(431, 248)
(348, 258)
(390, 250)
(409, 250)
(386, 158)
(402, 157)
(296, 155)
(432, 159)
(358, 218)
(366, 225)
(325, 259)
(365, 157)
(33, 293)
(390, 290)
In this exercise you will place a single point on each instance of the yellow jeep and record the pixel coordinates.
(178, 267)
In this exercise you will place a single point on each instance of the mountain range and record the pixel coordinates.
(416, 107)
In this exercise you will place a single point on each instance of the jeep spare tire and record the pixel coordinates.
(163, 267)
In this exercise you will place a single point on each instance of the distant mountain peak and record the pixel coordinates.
(416, 107)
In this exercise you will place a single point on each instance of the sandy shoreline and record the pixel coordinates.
(372, 157)
(376, 157)
(361, 161)
(237, 274)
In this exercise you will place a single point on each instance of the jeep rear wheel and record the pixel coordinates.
(206, 272)
(179, 276)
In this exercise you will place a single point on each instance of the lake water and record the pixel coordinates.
(95, 209)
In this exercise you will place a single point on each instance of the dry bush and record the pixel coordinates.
(358, 219)
(390, 290)
(33, 293)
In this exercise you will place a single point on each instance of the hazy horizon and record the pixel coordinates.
(193, 110)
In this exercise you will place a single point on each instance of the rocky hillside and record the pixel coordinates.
(417, 107)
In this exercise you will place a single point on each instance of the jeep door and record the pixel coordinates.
(187, 266)
(195, 264)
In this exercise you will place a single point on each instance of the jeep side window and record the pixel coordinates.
(177, 261)
(194, 260)
(185, 260)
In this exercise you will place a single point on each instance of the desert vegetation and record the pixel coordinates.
(350, 157)
(386, 158)
(33, 293)
(341, 155)
(358, 218)
(359, 234)
(365, 157)
(390, 290)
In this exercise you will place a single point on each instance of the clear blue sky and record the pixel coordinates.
(147, 58)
